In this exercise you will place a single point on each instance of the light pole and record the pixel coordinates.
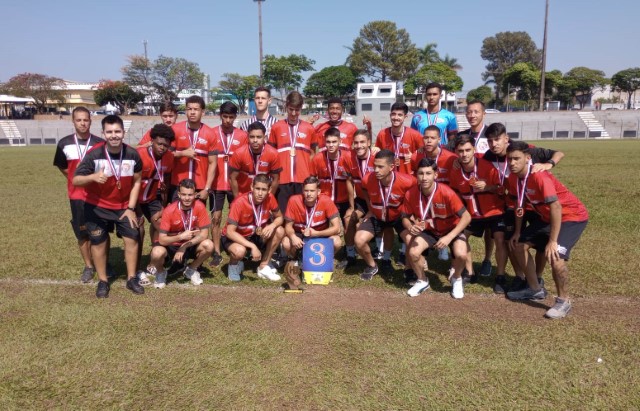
(260, 32)
(544, 58)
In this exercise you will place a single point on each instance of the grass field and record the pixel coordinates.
(350, 345)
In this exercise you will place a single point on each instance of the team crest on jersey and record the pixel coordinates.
(263, 164)
(531, 191)
(319, 213)
(176, 222)
(235, 142)
(395, 196)
(405, 145)
(343, 135)
(126, 167)
(302, 135)
(442, 170)
(418, 117)
(202, 141)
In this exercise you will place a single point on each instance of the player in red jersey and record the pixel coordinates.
(401, 140)
(252, 159)
(347, 130)
(308, 215)
(195, 154)
(111, 174)
(561, 220)
(255, 224)
(69, 153)
(168, 115)
(385, 190)
(434, 217)
(296, 143)
(229, 140)
(184, 235)
(479, 185)
(431, 149)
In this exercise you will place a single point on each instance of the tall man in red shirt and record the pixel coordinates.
(168, 115)
(69, 153)
(111, 174)
(252, 159)
(347, 130)
(385, 190)
(434, 217)
(478, 183)
(308, 215)
(184, 235)
(229, 140)
(562, 219)
(254, 223)
(262, 100)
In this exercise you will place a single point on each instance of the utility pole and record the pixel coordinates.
(260, 32)
(544, 58)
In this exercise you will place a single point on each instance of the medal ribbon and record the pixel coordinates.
(385, 198)
(365, 167)
(478, 136)
(474, 173)
(435, 118)
(186, 224)
(82, 153)
(502, 174)
(333, 173)
(193, 139)
(113, 167)
(425, 211)
(256, 159)
(398, 142)
(158, 165)
(309, 216)
(257, 212)
(521, 192)
(293, 137)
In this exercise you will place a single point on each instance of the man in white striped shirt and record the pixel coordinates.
(262, 99)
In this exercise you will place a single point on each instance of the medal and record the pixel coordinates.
(309, 218)
(385, 198)
(519, 212)
(186, 224)
(421, 224)
(257, 215)
(522, 192)
(82, 153)
(158, 166)
(259, 231)
(424, 211)
(118, 185)
(292, 152)
(226, 158)
(307, 232)
(118, 175)
(333, 173)
(162, 187)
(397, 145)
(472, 179)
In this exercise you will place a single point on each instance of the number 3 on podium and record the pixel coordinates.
(318, 258)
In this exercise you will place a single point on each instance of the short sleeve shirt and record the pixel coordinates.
(444, 161)
(295, 168)
(249, 165)
(243, 213)
(333, 174)
(443, 119)
(226, 145)
(347, 131)
(176, 220)
(69, 153)
(204, 142)
(153, 171)
(443, 214)
(297, 212)
(399, 187)
(360, 168)
(403, 146)
(480, 204)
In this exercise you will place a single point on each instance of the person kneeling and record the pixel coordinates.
(434, 217)
(247, 229)
(184, 232)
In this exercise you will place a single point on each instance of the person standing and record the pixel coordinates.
(435, 115)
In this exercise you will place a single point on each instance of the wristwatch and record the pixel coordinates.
(131, 209)
(553, 163)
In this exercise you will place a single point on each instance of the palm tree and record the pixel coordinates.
(452, 62)
(429, 54)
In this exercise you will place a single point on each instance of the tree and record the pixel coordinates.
(451, 62)
(627, 81)
(435, 72)
(429, 54)
(583, 80)
(333, 81)
(525, 78)
(40, 87)
(283, 73)
(242, 87)
(482, 93)
(119, 93)
(383, 52)
(167, 76)
(503, 51)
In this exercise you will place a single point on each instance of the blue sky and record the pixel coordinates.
(89, 41)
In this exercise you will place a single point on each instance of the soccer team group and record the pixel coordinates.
(287, 181)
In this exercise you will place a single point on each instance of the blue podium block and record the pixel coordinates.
(317, 260)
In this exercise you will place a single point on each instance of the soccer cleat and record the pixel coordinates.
(102, 291)
(501, 284)
(419, 287)
(143, 278)
(87, 275)
(559, 310)
(527, 293)
(268, 273)
(457, 289)
(134, 286)
(368, 273)
(193, 275)
(518, 284)
(161, 279)
(216, 259)
(485, 268)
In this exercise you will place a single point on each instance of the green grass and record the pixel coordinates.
(350, 345)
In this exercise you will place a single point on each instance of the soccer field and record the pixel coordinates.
(349, 345)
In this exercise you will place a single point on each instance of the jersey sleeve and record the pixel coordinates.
(379, 139)
(332, 210)
(86, 166)
(545, 186)
(414, 123)
(165, 220)
(272, 136)
(234, 213)
(204, 221)
(290, 214)
(137, 168)
(276, 166)
(453, 123)
(146, 138)
(541, 155)
(60, 159)
(235, 162)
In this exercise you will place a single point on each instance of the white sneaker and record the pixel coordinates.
(193, 275)
(268, 273)
(418, 288)
(458, 288)
(143, 278)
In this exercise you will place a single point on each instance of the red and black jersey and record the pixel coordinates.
(360, 168)
(69, 152)
(444, 161)
(347, 131)
(480, 204)
(333, 174)
(146, 138)
(250, 165)
(442, 215)
(119, 168)
(295, 167)
(320, 215)
(203, 141)
(400, 184)
(153, 172)
(403, 145)
(248, 216)
(226, 146)
(175, 220)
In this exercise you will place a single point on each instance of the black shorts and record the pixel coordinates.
(285, 191)
(478, 226)
(509, 218)
(216, 199)
(375, 226)
(342, 208)
(361, 205)
(99, 220)
(78, 220)
(151, 208)
(537, 234)
(432, 239)
(189, 254)
(255, 239)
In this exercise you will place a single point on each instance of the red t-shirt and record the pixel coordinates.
(347, 131)
(146, 138)
(152, 171)
(333, 175)
(226, 146)
(243, 215)
(175, 220)
(443, 214)
(360, 168)
(444, 161)
(124, 165)
(249, 165)
(544, 188)
(205, 143)
(406, 144)
(482, 204)
(69, 153)
(325, 211)
(294, 168)
(402, 184)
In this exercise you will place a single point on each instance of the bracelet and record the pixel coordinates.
(131, 209)
(553, 163)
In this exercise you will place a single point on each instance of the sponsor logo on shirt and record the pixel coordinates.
(439, 205)
(319, 213)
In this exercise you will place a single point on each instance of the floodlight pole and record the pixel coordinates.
(544, 58)
(260, 32)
